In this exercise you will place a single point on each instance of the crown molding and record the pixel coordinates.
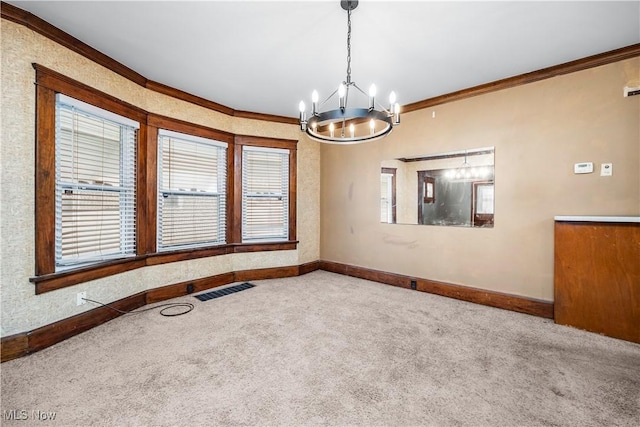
(609, 57)
(42, 27)
(31, 21)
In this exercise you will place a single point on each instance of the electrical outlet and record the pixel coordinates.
(80, 298)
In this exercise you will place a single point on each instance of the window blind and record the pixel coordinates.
(192, 179)
(95, 184)
(265, 194)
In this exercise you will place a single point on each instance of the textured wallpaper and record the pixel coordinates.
(22, 310)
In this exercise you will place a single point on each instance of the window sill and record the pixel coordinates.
(50, 282)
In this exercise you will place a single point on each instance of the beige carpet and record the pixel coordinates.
(326, 349)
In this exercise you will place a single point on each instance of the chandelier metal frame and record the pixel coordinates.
(331, 126)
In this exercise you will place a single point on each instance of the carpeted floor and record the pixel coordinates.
(326, 349)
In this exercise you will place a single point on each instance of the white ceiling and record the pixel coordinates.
(265, 56)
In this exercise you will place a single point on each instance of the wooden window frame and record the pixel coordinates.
(155, 123)
(480, 220)
(48, 83)
(291, 145)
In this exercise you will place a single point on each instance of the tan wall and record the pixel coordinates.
(539, 131)
(22, 310)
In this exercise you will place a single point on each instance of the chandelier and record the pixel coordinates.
(349, 125)
(466, 172)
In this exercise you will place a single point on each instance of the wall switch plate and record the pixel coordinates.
(80, 298)
(606, 169)
(585, 167)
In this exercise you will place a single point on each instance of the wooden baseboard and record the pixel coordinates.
(479, 296)
(18, 345)
(308, 267)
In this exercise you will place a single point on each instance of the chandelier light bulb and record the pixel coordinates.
(396, 112)
(342, 91)
(332, 128)
(372, 126)
(352, 130)
(314, 102)
(392, 99)
(303, 116)
(372, 97)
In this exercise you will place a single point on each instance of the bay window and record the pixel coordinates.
(95, 177)
(192, 182)
(265, 194)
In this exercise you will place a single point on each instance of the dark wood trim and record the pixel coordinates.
(45, 181)
(308, 267)
(181, 289)
(176, 125)
(48, 83)
(293, 194)
(479, 296)
(467, 153)
(259, 141)
(267, 246)
(235, 218)
(604, 58)
(367, 274)
(14, 346)
(21, 344)
(479, 220)
(146, 182)
(51, 282)
(184, 96)
(266, 117)
(266, 273)
(187, 254)
(54, 333)
(42, 27)
(18, 345)
(60, 83)
(230, 235)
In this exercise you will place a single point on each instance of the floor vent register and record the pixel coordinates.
(226, 291)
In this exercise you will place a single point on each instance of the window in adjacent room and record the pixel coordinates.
(95, 184)
(192, 177)
(388, 195)
(265, 194)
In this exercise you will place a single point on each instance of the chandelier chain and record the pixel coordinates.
(349, 45)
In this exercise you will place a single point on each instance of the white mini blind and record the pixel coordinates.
(95, 184)
(192, 185)
(265, 194)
